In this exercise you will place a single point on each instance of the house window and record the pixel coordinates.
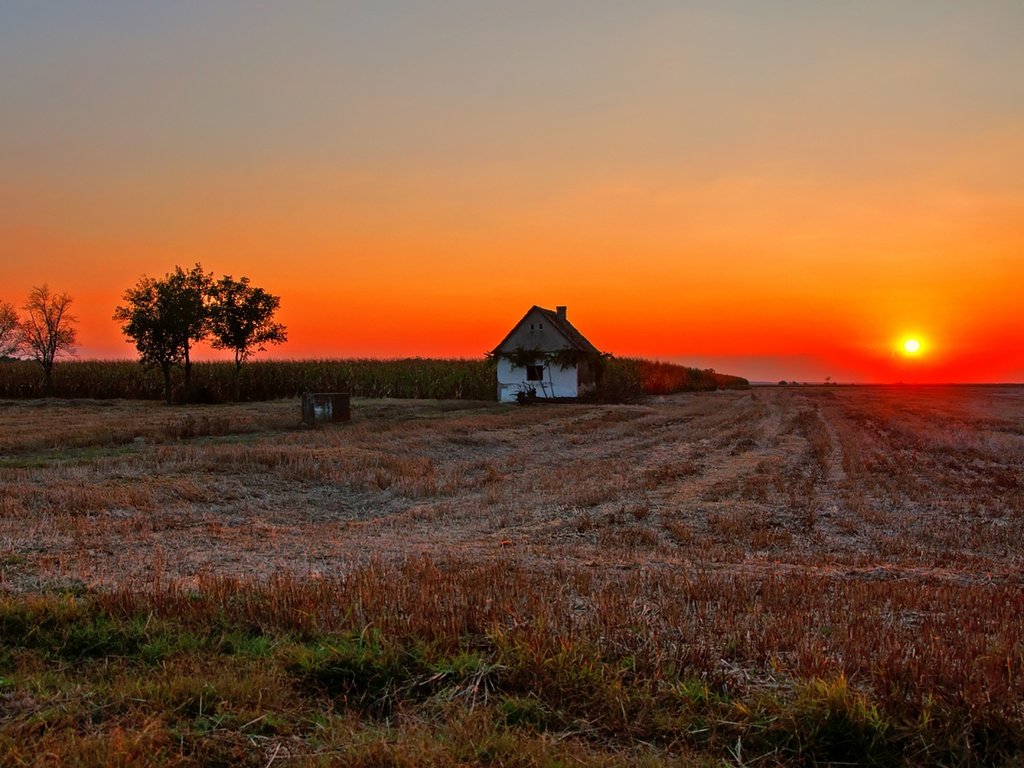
(541, 326)
(535, 373)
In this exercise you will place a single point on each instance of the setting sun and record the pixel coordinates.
(911, 346)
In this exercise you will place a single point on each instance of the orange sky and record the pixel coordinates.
(777, 190)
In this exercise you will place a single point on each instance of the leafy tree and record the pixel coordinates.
(242, 320)
(164, 317)
(147, 318)
(47, 331)
(10, 339)
(189, 291)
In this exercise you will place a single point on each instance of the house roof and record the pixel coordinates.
(576, 339)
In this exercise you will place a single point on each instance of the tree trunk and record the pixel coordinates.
(237, 380)
(188, 374)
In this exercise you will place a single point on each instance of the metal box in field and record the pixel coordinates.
(325, 408)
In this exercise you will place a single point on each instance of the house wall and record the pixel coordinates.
(557, 382)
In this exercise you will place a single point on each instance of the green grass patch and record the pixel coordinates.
(64, 456)
(187, 683)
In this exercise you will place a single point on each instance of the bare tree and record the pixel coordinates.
(242, 320)
(47, 331)
(10, 339)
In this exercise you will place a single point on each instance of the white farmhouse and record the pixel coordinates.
(546, 357)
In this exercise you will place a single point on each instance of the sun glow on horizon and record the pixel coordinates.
(911, 346)
(408, 193)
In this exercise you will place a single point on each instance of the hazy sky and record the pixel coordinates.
(779, 189)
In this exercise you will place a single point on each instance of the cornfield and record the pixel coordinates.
(453, 379)
(628, 377)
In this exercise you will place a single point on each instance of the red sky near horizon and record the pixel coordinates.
(776, 190)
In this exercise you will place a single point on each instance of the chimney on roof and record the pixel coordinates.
(560, 311)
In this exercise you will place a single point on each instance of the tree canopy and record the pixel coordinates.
(165, 317)
(241, 318)
(47, 330)
(10, 339)
(188, 293)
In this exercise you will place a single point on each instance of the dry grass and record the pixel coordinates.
(835, 479)
(753, 542)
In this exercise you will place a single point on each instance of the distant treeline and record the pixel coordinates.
(623, 379)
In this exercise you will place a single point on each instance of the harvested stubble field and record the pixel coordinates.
(776, 576)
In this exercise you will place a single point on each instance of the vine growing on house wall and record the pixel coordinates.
(520, 357)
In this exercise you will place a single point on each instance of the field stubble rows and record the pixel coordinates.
(754, 541)
(915, 480)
